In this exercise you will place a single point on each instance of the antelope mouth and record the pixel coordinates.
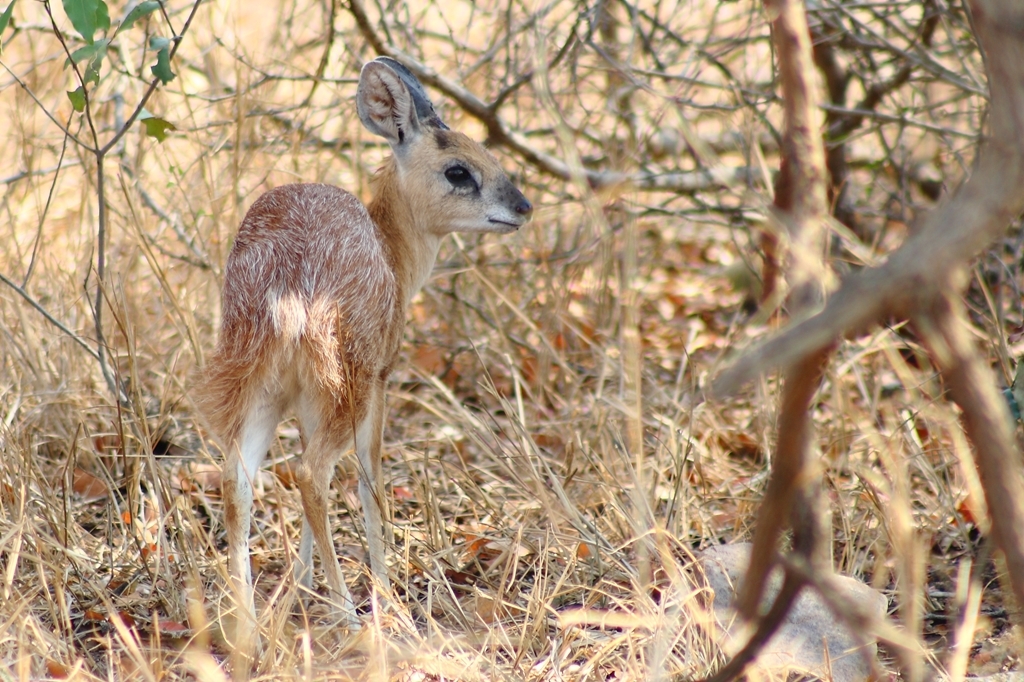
(505, 225)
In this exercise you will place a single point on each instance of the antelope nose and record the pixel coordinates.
(524, 208)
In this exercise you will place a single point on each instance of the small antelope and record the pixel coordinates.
(315, 293)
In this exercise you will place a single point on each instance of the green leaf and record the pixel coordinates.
(5, 19)
(162, 68)
(159, 43)
(87, 52)
(92, 71)
(87, 16)
(155, 126)
(139, 11)
(94, 54)
(77, 98)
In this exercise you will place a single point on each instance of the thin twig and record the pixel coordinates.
(24, 175)
(50, 318)
(153, 84)
(42, 107)
(499, 133)
(46, 210)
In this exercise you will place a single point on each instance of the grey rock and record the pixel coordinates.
(810, 630)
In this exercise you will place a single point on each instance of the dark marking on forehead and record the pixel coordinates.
(443, 138)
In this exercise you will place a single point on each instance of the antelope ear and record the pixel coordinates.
(424, 107)
(386, 106)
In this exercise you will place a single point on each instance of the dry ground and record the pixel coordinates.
(552, 465)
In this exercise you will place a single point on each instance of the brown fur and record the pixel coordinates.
(314, 300)
(286, 322)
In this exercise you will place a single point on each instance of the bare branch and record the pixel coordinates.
(918, 280)
(499, 133)
(153, 84)
(950, 236)
(988, 424)
(800, 198)
(766, 628)
(49, 317)
(855, 614)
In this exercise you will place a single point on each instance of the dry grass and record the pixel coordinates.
(553, 469)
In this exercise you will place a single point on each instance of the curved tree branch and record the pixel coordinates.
(923, 276)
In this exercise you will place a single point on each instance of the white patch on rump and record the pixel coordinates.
(288, 315)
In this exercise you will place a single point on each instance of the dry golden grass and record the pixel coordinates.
(552, 465)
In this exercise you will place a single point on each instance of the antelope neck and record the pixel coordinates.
(411, 246)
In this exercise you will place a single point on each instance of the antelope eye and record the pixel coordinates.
(459, 176)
